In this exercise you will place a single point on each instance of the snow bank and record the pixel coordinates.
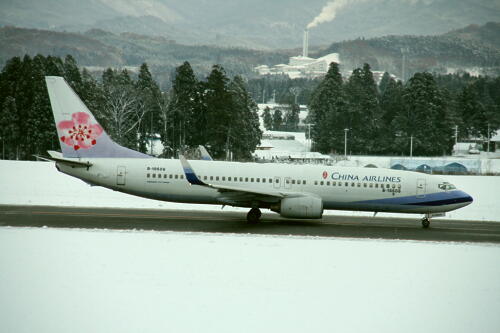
(39, 183)
(96, 281)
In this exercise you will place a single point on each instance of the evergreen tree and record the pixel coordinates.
(292, 118)
(72, 74)
(9, 128)
(277, 120)
(184, 122)
(425, 118)
(219, 103)
(392, 105)
(327, 113)
(150, 101)
(244, 132)
(384, 82)
(363, 111)
(267, 118)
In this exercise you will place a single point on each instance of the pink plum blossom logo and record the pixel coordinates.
(79, 132)
(325, 174)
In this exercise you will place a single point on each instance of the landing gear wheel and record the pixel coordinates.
(253, 215)
(425, 222)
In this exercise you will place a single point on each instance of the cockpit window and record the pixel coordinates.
(446, 186)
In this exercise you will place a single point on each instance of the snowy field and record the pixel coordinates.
(39, 183)
(56, 280)
(71, 280)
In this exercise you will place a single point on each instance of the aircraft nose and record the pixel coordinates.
(464, 197)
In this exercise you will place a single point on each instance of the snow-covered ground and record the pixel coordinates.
(39, 183)
(67, 280)
(56, 280)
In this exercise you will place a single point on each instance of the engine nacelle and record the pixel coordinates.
(305, 207)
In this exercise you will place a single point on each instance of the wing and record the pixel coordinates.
(236, 194)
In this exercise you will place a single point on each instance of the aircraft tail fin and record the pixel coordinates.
(80, 135)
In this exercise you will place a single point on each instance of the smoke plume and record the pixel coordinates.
(328, 12)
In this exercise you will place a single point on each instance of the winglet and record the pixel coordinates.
(204, 154)
(190, 175)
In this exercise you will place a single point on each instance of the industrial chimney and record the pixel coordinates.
(305, 43)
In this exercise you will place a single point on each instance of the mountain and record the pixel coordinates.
(98, 49)
(474, 49)
(254, 24)
(88, 51)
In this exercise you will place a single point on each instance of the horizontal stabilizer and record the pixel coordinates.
(56, 157)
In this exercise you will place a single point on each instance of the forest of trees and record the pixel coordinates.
(217, 113)
(221, 114)
(384, 119)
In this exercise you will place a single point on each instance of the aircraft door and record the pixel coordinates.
(288, 183)
(120, 175)
(277, 182)
(421, 188)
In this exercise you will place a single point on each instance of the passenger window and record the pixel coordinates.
(251, 180)
(147, 174)
(321, 183)
(277, 180)
(154, 175)
(216, 177)
(334, 183)
(182, 176)
(387, 186)
(293, 181)
(346, 184)
(399, 185)
(352, 184)
(376, 185)
(205, 177)
(263, 180)
(270, 180)
(327, 183)
(258, 180)
(340, 184)
(303, 182)
(364, 184)
(228, 179)
(246, 179)
(359, 184)
(165, 176)
(298, 182)
(223, 178)
(287, 180)
(176, 176)
(371, 185)
(211, 177)
(170, 176)
(315, 182)
(241, 179)
(393, 185)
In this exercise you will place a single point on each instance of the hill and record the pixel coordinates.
(98, 48)
(254, 24)
(474, 48)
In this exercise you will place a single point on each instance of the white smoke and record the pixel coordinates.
(330, 10)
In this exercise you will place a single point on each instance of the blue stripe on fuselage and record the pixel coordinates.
(432, 199)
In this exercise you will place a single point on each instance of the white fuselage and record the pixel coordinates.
(344, 188)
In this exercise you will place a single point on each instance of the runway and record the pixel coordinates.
(235, 222)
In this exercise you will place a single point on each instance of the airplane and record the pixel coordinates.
(292, 191)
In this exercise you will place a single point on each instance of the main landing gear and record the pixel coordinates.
(426, 222)
(253, 215)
